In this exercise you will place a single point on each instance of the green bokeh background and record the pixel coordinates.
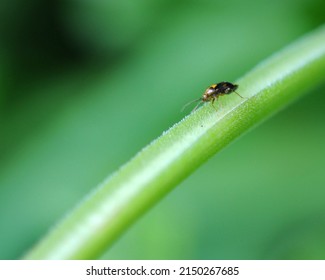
(84, 85)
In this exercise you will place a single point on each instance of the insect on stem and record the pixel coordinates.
(213, 92)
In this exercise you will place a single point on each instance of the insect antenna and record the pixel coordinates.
(238, 94)
(189, 103)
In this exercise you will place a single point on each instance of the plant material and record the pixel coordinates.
(112, 207)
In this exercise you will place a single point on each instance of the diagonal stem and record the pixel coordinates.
(113, 206)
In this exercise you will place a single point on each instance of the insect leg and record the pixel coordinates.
(197, 105)
(238, 94)
(212, 101)
(189, 103)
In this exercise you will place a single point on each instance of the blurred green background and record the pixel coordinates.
(86, 84)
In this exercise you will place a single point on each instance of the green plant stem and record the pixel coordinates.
(112, 207)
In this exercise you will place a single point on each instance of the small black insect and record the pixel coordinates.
(213, 92)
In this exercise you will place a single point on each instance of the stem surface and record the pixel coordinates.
(113, 206)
